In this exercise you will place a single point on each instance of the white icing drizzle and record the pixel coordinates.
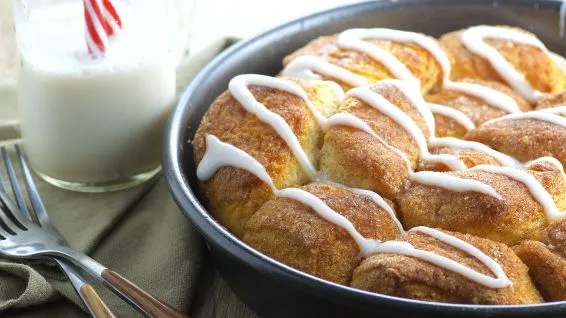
(305, 66)
(218, 154)
(402, 119)
(238, 87)
(367, 246)
(372, 246)
(337, 90)
(405, 248)
(384, 106)
(547, 116)
(501, 279)
(421, 40)
(454, 114)
(491, 96)
(473, 39)
(559, 110)
(377, 199)
(553, 161)
(412, 92)
(348, 119)
(453, 183)
(536, 189)
(354, 39)
(502, 158)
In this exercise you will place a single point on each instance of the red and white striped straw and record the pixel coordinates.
(113, 23)
(102, 21)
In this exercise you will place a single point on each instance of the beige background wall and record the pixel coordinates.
(8, 53)
(212, 19)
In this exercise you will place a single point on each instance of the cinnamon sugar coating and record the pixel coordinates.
(409, 277)
(355, 158)
(296, 235)
(471, 158)
(515, 218)
(448, 127)
(233, 195)
(473, 107)
(555, 100)
(418, 60)
(546, 261)
(524, 139)
(540, 70)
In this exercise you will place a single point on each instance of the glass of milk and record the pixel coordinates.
(94, 124)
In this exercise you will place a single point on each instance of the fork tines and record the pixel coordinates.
(13, 215)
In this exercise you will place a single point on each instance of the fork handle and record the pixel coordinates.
(148, 304)
(95, 305)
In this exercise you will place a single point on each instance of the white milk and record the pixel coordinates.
(94, 121)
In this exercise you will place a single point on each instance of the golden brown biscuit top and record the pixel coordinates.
(538, 67)
(418, 60)
(558, 99)
(236, 195)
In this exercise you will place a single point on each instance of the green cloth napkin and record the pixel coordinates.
(140, 233)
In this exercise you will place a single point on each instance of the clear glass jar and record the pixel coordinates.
(91, 123)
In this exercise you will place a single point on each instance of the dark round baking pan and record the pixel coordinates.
(273, 289)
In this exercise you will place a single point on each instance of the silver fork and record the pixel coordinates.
(86, 292)
(22, 238)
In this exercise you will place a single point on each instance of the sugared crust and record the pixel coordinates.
(519, 216)
(539, 69)
(475, 108)
(294, 234)
(524, 139)
(555, 237)
(448, 127)
(383, 125)
(355, 158)
(546, 261)
(470, 158)
(409, 277)
(419, 61)
(232, 194)
(555, 100)
(547, 269)
(552, 180)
